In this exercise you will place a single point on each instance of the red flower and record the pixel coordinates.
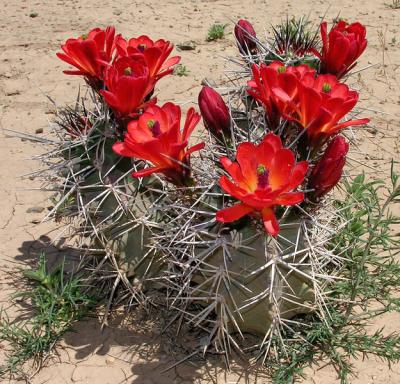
(329, 168)
(341, 47)
(263, 176)
(155, 54)
(157, 138)
(276, 76)
(215, 112)
(128, 84)
(245, 36)
(320, 103)
(89, 53)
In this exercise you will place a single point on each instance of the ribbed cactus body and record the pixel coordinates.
(241, 279)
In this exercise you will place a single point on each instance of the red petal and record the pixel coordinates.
(233, 213)
(270, 223)
(147, 171)
(246, 157)
(292, 198)
(231, 188)
(281, 168)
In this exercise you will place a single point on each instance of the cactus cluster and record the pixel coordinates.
(230, 234)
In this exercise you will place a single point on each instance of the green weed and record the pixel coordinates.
(370, 242)
(56, 301)
(181, 70)
(216, 32)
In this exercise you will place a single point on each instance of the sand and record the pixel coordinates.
(29, 70)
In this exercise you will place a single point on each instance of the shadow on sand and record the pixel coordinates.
(134, 339)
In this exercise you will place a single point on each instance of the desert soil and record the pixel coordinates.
(29, 70)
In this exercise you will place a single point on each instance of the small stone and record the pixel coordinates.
(39, 130)
(35, 210)
(372, 130)
(110, 360)
(35, 221)
(187, 46)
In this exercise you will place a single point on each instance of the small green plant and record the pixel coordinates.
(395, 4)
(62, 206)
(56, 302)
(370, 242)
(181, 70)
(216, 32)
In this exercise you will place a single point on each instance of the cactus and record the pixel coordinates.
(161, 237)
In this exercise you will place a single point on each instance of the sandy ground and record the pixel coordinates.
(29, 70)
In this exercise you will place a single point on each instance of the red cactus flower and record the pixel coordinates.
(329, 168)
(245, 36)
(157, 138)
(267, 78)
(341, 47)
(89, 53)
(321, 102)
(263, 176)
(128, 84)
(214, 111)
(155, 54)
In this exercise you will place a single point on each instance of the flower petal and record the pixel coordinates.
(233, 213)
(271, 224)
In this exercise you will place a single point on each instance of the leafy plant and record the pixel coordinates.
(216, 32)
(395, 4)
(181, 70)
(371, 275)
(56, 302)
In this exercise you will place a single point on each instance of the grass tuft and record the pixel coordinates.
(216, 32)
(55, 302)
(181, 70)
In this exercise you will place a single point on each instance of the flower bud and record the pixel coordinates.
(214, 111)
(328, 171)
(245, 36)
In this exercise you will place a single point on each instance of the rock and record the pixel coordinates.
(187, 46)
(39, 130)
(35, 210)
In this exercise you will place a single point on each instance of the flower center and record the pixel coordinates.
(128, 71)
(262, 174)
(142, 47)
(326, 88)
(154, 126)
(282, 69)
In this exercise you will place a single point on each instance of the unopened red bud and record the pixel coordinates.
(214, 111)
(245, 36)
(329, 168)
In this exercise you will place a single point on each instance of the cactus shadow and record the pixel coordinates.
(132, 340)
(54, 253)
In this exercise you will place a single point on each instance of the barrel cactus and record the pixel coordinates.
(228, 234)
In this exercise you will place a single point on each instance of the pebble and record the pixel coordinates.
(35, 210)
(187, 46)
